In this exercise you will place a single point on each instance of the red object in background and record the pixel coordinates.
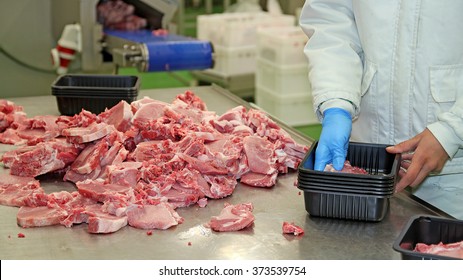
(68, 45)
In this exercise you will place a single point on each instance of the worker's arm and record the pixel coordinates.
(334, 55)
(335, 73)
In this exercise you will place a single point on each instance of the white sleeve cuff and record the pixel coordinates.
(446, 137)
(335, 103)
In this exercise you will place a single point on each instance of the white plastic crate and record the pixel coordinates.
(282, 45)
(234, 61)
(237, 29)
(295, 109)
(282, 79)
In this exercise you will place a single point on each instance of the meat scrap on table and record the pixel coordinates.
(134, 164)
(233, 218)
(291, 228)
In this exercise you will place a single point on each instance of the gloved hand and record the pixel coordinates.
(334, 139)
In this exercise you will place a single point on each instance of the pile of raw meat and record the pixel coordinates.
(116, 14)
(134, 164)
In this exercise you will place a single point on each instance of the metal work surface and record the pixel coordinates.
(323, 239)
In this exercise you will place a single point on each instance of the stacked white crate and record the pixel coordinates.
(282, 84)
(234, 38)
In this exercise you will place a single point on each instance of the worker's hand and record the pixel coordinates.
(421, 155)
(334, 139)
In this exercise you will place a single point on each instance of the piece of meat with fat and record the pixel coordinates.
(191, 99)
(45, 157)
(120, 116)
(160, 216)
(98, 190)
(87, 134)
(347, 168)
(101, 222)
(259, 180)
(454, 250)
(147, 111)
(291, 228)
(40, 216)
(125, 173)
(19, 191)
(260, 154)
(95, 157)
(220, 186)
(233, 218)
(205, 165)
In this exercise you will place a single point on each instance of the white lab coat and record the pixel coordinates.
(396, 65)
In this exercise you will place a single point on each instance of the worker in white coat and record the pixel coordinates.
(391, 72)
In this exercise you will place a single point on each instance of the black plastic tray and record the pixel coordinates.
(381, 165)
(346, 206)
(82, 84)
(336, 189)
(428, 230)
(343, 183)
(93, 93)
(73, 105)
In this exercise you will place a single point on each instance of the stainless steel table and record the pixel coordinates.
(323, 238)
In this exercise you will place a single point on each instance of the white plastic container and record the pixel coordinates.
(282, 45)
(295, 109)
(234, 61)
(282, 79)
(238, 29)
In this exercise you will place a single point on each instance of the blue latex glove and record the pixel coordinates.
(334, 139)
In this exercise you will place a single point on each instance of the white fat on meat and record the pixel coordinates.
(88, 134)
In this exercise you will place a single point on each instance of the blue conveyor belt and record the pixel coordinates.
(169, 52)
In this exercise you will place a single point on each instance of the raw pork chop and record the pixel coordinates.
(454, 250)
(102, 222)
(348, 168)
(161, 216)
(40, 216)
(233, 218)
(40, 159)
(17, 190)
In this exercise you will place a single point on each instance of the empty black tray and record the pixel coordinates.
(93, 93)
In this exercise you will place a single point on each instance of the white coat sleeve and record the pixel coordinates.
(448, 130)
(334, 55)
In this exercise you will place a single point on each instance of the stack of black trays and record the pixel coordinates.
(94, 93)
(363, 197)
